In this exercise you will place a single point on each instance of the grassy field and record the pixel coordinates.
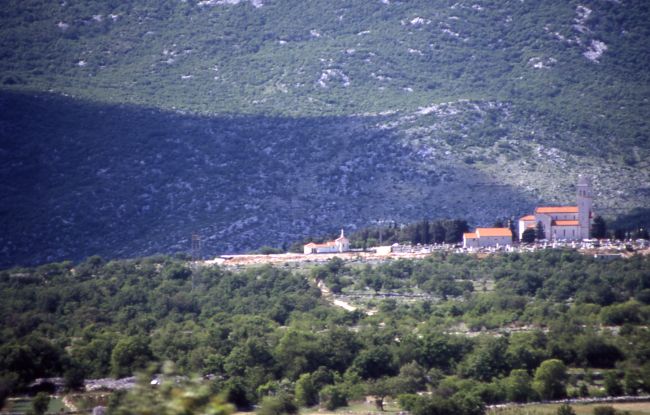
(633, 408)
(359, 407)
(25, 404)
(364, 408)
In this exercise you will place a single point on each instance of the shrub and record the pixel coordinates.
(278, 405)
(604, 410)
(332, 397)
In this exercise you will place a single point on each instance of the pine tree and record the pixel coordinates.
(438, 232)
(599, 228)
(528, 236)
(426, 235)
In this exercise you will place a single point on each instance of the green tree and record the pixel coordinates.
(550, 379)
(374, 362)
(434, 405)
(380, 388)
(306, 392)
(176, 271)
(407, 401)
(612, 385)
(95, 356)
(459, 404)
(454, 230)
(130, 354)
(332, 397)
(539, 231)
(528, 236)
(74, 377)
(595, 351)
(40, 403)
(322, 376)
(412, 378)
(519, 387)
(487, 360)
(511, 226)
(236, 392)
(565, 409)
(437, 232)
(298, 352)
(278, 405)
(599, 228)
(268, 250)
(632, 381)
(527, 350)
(426, 234)
(442, 351)
(619, 234)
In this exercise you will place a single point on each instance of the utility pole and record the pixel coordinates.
(196, 247)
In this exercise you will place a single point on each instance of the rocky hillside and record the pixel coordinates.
(124, 128)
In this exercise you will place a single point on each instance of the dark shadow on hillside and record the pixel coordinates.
(81, 178)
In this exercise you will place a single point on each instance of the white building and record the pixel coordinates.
(564, 222)
(340, 244)
(487, 237)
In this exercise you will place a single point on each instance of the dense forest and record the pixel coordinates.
(540, 326)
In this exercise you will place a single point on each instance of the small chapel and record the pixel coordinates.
(564, 222)
(340, 244)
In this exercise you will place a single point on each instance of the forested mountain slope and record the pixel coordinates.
(125, 127)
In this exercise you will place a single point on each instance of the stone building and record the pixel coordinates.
(564, 222)
(487, 237)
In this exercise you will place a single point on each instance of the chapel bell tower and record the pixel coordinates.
(584, 199)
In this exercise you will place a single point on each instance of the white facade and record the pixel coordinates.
(340, 244)
(470, 240)
(487, 238)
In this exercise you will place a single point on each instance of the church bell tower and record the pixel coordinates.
(584, 200)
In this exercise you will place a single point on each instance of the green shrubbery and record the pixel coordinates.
(268, 337)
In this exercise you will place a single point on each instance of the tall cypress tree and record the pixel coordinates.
(539, 231)
(426, 236)
(599, 228)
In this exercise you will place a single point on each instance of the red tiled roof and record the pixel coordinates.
(323, 245)
(556, 209)
(470, 235)
(527, 217)
(493, 232)
(566, 223)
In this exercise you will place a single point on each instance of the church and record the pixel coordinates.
(340, 244)
(564, 222)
